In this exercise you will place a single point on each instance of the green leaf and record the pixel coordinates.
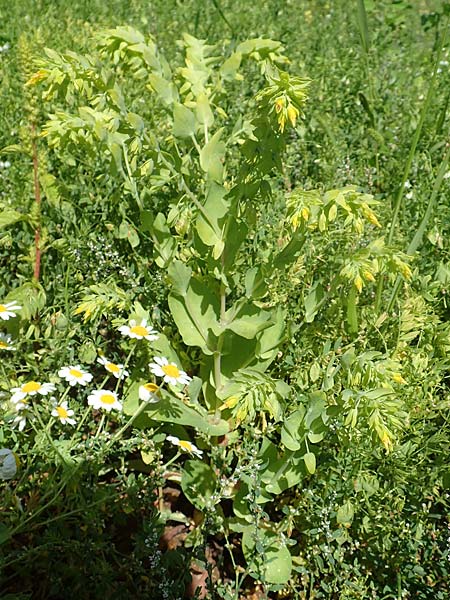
(198, 482)
(251, 321)
(313, 302)
(126, 231)
(184, 121)
(5, 533)
(9, 216)
(345, 514)
(171, 409)
(255, 285)
(210, 219)
(274, 563)
(310, 462)
(212, 156)
(196, 313)
(293, 430)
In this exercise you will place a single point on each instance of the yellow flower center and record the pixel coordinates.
(3, 345)
(62, 412)
(139, 330)
(112, 367)
(185, 445)
(31, 386)
(171, 371)
(3, 308)
(107, 399)
(76, 373)
(151, 387)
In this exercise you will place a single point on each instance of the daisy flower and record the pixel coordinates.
(63, 413)
(74, 375)
(104, 399)
(169, 371)
(117, 370)
(8, 310)
(8, 464)
(139, 331)
(6, 342)
(147, 393)
(22, 414)
(185, 445)
(30, 389)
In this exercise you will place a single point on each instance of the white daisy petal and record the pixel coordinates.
(6, 342)
(9, 310)
(63, 414)
(104, 399)
(185, 445)
(31, 388)
(147, 393)
(139, 331)
(75, 375)
(117, 370)
(168, 371)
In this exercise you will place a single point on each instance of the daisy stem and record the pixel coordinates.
(172, 460)
(130, 421)
(83, 419)
(46, 432)
(5, 375)
(127, 360)
(100, 426)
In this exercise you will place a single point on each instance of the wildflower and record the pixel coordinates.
(292, 114)
(31, 388)
(74, 375)
(22, 414)
(104, 399)
(6, 342)
(185, 445)
(8, 463)
(169, 371)
(147, 393)
(63, 413)
(117, 370)
(398, 378)
(139, 331)
(8, 310)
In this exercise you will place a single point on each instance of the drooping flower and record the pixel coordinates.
(169, 371)
(6, 342)
(104, 399)
(8, 310)
(185, 445)
(74, 375)
(147, 393)
(8, 464)
(22, 414)
(116, 369)
(139, 331)
(31, 388)
(63, 413)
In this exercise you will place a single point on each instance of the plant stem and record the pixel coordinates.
(37, 197)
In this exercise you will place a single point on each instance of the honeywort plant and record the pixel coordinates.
(172, 139)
